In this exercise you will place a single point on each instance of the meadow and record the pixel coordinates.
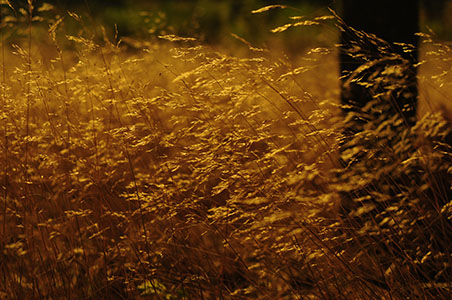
(170, 169)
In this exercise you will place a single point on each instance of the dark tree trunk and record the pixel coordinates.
(394, 21)
(379, 87)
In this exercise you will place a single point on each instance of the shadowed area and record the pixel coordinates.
(362, 60)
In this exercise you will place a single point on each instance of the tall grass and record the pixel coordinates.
(181, 172)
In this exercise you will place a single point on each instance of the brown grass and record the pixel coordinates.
(181, 172)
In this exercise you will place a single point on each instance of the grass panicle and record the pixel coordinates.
(183, 172)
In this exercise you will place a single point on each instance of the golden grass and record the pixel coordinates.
(181, 172)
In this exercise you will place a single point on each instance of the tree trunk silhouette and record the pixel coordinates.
(379, 89)
(396, 22)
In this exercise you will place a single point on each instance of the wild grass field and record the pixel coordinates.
(176, 170)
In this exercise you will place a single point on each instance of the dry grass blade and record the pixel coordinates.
(184, 172)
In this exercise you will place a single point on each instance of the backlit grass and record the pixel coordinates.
(182, 172)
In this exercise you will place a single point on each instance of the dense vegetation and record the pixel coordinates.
(176, 171)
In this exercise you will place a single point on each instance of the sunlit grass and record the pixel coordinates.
(182, 172)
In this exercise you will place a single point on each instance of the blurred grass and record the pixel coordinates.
(174, 170)
(212, 21)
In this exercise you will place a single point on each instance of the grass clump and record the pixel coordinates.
(181, 172)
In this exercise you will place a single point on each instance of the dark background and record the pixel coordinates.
(213, 21)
